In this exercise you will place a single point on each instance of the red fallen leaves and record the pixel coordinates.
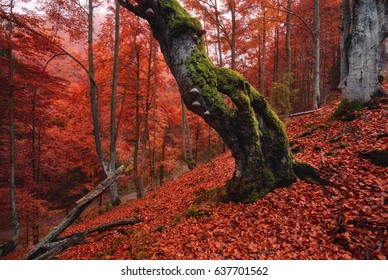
(344, 220)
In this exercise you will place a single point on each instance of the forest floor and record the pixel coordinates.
(346, 218)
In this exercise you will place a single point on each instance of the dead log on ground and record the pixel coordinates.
(304, 113)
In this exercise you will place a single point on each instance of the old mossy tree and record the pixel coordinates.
(250, 129)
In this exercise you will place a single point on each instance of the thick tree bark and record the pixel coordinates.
(317, 57)
(363, 49)
(253, 133)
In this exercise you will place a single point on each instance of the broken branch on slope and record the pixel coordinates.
(81, 205)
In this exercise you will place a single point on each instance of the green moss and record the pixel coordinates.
(178, 218)
(255, 196)
(177, 18)
(211, 197)
(160, 228)
(203, 75)
(193, 212)
(306, 172)
(346, 110)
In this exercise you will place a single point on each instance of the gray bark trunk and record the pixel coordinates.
(345, 27)
(370, 23)
(137, 178)
(114, 196)
(317, 56)
(288, 37)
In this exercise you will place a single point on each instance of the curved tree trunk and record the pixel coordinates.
(250, 129)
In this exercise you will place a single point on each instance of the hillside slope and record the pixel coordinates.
(344, 219)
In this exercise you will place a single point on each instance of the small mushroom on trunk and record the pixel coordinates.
(150, 13)
(195, 37)
(207, 113)
(196, 104)
(194, 91)
(202, 32)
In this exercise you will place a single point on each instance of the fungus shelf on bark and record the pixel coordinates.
(202, 32)
(195, 37)
(194, 91)
(196, 104)
(150, 13)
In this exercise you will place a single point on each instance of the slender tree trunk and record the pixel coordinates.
(114, 196)
(138, 183)
(276, 56)
(183, 134)
(288, 37)
(317, 57)
(33, 138)
(262, 83)
(232, 7)
(154, 119)
(220, 61)
(14, 217)
(161, 167)
(187, 148)
(145, 138)
(93, 90)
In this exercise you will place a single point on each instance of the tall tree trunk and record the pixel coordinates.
(145, 138)
(276, 56)
(370, 23)
(138, 182)
(154, 119)
(114, 196)
(14, 217)
(93, 89)
(33, 139)
(187, 147)
(263, 160)
(220, 61)
(317, 57)
(288, 37)
(232, 7)
(345, 40)
(262, 83)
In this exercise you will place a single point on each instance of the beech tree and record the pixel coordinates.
(251, 130)
(361, 48)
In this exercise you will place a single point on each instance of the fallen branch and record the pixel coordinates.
(73, 215)
(102, 228)
(67, 241)
(304, 113)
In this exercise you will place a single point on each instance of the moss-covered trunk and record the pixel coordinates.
(250, 129)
